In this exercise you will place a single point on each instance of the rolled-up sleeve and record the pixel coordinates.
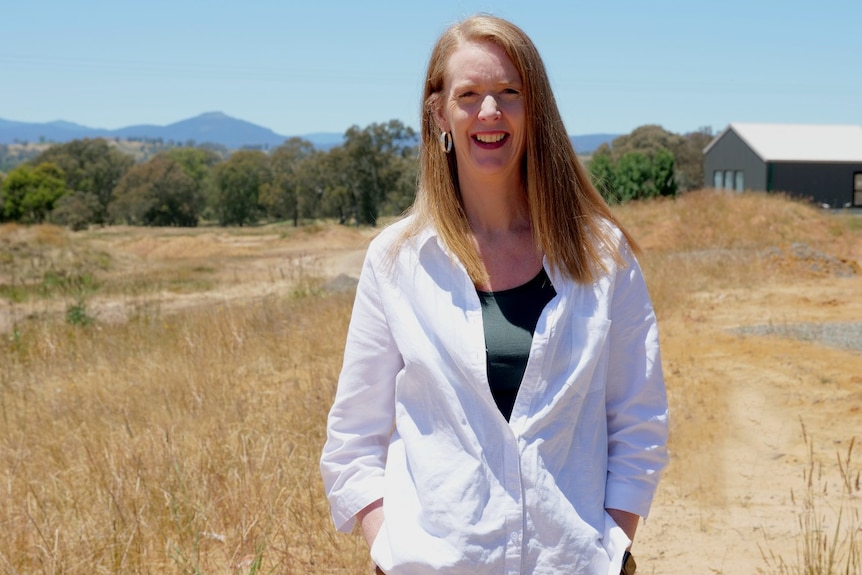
(361, 419)
(637, 412)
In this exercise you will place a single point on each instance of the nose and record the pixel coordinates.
(489, 108)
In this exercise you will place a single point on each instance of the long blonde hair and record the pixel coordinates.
(569, 218)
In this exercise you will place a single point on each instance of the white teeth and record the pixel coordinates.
(490, 138)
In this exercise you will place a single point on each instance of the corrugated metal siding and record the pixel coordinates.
(730, 152)
(823, 183)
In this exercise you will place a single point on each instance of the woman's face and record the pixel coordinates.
(483, 107)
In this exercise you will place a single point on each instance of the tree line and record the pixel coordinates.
(372, 174)
(649, 162)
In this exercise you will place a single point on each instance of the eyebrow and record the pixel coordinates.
(473, 83)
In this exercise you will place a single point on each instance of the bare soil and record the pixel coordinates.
(734, 490)
(746, 391)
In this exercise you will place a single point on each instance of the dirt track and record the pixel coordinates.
(738, 488)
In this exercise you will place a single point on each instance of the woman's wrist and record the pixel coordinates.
(628, 522)
(370, 519)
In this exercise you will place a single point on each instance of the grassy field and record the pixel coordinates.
(163, 392)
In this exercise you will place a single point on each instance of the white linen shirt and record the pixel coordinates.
(464, 491)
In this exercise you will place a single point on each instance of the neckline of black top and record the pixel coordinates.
(539, 278)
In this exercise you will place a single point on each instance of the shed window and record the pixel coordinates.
(857, 189)
(728, 180)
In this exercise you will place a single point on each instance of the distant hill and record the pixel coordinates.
(59, 131)
(212, 127)
(588, 143)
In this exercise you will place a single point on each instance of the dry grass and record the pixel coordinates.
(709, 240)
(183, 445)
(188, 442)
(170, 443)
(830, 520)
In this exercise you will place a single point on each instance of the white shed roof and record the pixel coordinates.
(799, 142)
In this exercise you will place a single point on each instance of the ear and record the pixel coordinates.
(438, 115)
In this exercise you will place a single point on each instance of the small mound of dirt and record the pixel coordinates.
(802, 259)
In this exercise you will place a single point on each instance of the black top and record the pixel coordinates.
(510, 318)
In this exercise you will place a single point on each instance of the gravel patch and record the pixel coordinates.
(805, 258)
(839, 335)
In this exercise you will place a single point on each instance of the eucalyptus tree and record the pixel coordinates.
(238, 183)
(377, 158)
(91, 166)
(286, 193)
(199, 163)
(333, 185)
(157, 193)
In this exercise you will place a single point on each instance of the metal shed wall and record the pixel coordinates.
(821, 182)
(731, 152)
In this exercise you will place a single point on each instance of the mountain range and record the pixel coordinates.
(211, 127)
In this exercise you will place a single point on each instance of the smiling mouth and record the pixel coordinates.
(490, 138)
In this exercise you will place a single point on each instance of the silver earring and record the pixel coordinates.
(446, 141)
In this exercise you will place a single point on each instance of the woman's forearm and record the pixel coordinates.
(627, 521)
(370, 520)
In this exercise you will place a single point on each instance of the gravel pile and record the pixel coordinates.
(803, 258)
(839, 335)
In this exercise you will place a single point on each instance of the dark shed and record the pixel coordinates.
(820, 162)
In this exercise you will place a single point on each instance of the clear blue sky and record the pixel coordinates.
(324, 65)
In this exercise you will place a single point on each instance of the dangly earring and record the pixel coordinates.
(446, 141)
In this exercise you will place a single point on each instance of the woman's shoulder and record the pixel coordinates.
(391, 233)
(406, 233)
(407, 229)
(610, 239)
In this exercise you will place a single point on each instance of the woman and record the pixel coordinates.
(501, 407)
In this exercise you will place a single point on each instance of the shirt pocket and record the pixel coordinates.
(568, 408)
(579, 355)
(589, 343)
